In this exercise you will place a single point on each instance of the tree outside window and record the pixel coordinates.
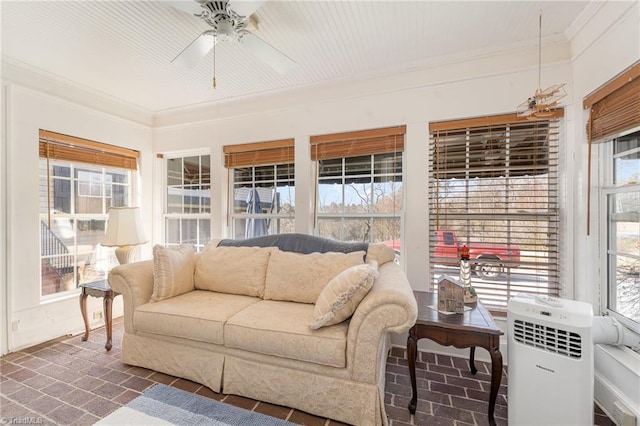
(360, 198)
(359, 191)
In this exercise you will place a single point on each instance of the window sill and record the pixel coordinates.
(623, 356)
(58, 297)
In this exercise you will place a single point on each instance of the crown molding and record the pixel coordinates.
(583, 19)
(596, 20)
(443, 70)
(18, 73)
(459, 67)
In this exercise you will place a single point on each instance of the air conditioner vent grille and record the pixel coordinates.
(550, 339)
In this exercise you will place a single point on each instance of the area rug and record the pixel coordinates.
(166, 405)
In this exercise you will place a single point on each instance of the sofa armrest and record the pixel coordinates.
(135, 282)
(390, 306)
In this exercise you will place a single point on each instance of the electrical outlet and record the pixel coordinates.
(622, 415)
(97, 315)
(14, 325)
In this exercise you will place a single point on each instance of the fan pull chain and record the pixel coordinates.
(214, 63)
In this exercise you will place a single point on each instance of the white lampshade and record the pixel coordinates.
(124, 228)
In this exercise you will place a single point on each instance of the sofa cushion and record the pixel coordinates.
(172, 271)
(340, 298)
(234, 270)
(281, 329)
(197, 315)
(301, 277)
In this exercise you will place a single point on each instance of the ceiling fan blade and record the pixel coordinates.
(245, 7)
(193, 53)
(267, 53)
(191, 7)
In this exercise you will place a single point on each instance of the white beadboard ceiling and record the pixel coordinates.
(124, 48)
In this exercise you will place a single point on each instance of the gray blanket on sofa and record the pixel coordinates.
(299, 243)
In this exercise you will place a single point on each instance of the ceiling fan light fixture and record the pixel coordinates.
(229, 25)
(224, 30)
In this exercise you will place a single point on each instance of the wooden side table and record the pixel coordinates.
(98, 289)
(475, 327)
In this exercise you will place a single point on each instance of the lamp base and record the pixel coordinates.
(125, 254)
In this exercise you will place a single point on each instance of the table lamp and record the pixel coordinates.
(124, 231)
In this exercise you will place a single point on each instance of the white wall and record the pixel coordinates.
(607, 44)
(28, 320)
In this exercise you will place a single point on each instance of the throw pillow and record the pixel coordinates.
(235, 270)
(172, 271)
(381, 253)
(340, 298)
(298, 277)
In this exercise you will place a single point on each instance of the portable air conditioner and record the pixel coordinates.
(550, 358)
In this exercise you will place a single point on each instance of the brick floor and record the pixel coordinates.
(70, 382)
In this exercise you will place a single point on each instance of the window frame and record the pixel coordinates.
(608, 187)
(452, 165)
(253, 155)
(369, 215)
(356, 144)
(200, 217)
(74, 217)
(254, 184)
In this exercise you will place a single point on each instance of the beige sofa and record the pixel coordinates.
(236, 319)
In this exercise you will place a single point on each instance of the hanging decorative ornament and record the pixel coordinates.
(470, 295)
(542, 103)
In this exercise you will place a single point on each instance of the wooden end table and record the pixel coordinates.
(98, 289)
(475, 327)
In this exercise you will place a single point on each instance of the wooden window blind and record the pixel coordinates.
(57, 146)
(615, 107)
(259, 153)
(353, 144)
(493, 181)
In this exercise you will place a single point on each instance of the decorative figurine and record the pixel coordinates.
(450, 295)
(470, 295)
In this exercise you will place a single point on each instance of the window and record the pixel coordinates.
(79, 182)
(360, 185)
(262, 188)
(187, 209)
(622, 195)
(493, 187)
(614, 122)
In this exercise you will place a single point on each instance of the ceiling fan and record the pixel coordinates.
(229, 23)
(542, 102)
